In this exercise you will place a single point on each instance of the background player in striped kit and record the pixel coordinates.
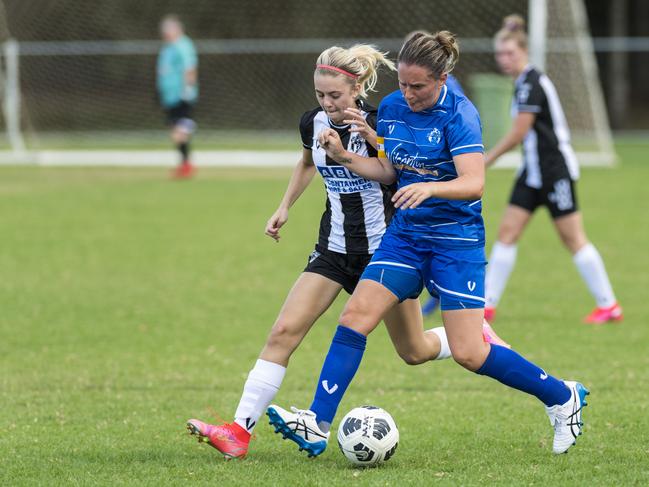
(547, 177)
(355, 219)
(177, 84)
(433, 150)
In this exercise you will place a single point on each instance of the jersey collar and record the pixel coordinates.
(522, 76)
(440, 100)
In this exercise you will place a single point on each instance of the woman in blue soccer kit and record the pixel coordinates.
(430, 143)
(352, 225)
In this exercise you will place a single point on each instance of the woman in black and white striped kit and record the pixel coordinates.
(547, 178)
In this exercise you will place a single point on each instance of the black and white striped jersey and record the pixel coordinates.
(357, 209)
(547, 153)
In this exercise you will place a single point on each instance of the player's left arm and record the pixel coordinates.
(190, 65)
(521, 126)
(468, 185)
(191, 76)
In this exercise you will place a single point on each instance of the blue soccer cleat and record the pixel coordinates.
(299, 426)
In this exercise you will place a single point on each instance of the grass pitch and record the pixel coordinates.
(129, 303)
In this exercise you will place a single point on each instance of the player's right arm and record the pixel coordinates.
(375, 168)
(300, 179)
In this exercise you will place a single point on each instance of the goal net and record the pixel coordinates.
(84, 72)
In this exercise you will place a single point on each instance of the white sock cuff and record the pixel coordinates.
(445, 349)
(269, 373)
(587, 252)
(504, 250)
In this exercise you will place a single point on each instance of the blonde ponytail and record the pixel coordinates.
(360, 63)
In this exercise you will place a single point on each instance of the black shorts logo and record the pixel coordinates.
(314, 255)
(562, 195)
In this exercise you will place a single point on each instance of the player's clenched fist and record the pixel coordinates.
(331, 143)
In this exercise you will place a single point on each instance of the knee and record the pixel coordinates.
(353, 314)
(283, 334)
(574, 243)
(179, 136)
(411, 357)
(508, 234)
(467, 357)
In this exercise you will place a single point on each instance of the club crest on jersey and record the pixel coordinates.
(524, 93)
(355, 143)
(434, 136)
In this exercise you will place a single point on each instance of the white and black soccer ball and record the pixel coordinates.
(368, 435)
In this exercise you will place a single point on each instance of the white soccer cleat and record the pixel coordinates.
(300, 426)
(566, 418)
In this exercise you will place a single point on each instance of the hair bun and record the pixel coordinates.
(514, 23)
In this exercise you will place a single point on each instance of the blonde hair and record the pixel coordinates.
(513, 28)
(361, 61)
(439, 52)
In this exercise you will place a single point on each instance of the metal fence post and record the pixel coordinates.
(11, 103)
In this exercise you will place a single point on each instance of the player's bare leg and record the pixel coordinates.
(591, 267)
(311, 295)
(181, 135)
(416, 345)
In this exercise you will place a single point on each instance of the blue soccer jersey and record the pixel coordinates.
(174, 60)
(421, 146)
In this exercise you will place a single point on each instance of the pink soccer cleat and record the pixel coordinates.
(490, 314)
(604, 315)
(489, 336)
(229, 438)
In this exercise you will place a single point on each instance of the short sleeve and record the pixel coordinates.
(464, 132)
(306, 129)
(530, 96)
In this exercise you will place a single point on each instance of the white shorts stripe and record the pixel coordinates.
(451, 238)
(455, 293)
(395, 264)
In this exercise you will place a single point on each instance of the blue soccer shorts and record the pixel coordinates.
(404, 265)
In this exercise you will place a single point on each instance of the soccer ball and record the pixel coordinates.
(368, 435)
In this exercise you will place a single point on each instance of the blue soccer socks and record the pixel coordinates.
(513, 370)
(340, 365)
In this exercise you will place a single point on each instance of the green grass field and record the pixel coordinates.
(129, 303)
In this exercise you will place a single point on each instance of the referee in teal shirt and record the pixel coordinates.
(177, 84)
